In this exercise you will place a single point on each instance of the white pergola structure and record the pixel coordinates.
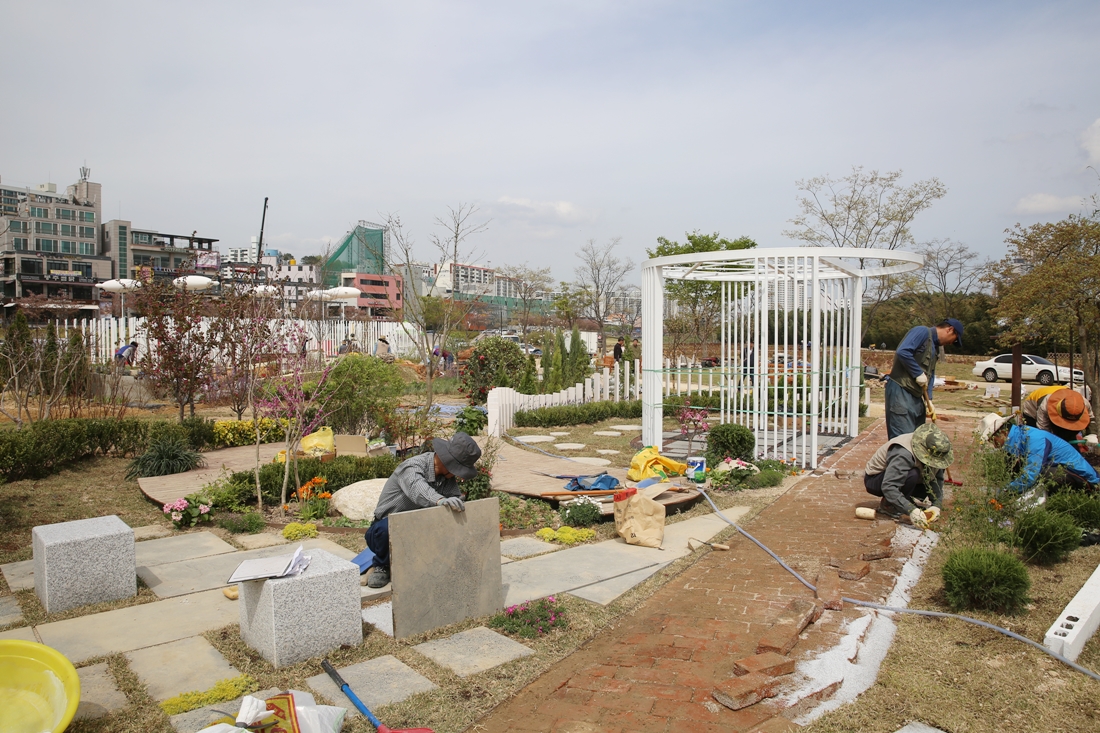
(791, 318)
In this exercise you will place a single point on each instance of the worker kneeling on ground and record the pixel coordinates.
(1059, 411)
(1044, 456)
(910, 468)
(421, 482)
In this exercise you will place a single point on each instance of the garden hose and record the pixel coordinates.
(894, 609)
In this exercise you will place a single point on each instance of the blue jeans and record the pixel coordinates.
(904, 412)
(378, 540)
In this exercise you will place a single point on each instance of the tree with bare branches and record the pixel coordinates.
(599, 275)
(951, 272)
(531, 285)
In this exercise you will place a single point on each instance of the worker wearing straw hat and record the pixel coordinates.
(1062, 412)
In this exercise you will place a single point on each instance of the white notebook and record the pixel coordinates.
(262, 568)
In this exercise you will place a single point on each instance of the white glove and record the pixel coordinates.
(935, 510)
(918, 519)
(922, 379)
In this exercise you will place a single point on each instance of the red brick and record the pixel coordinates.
(828, 589)
(644, 674)
(768, 663)
(880, 553)
(853, 569)
(740, 692)
(618, 701)
(634, 722)
(778, 724)
(783, 634)
(599, 684)
(682, 711)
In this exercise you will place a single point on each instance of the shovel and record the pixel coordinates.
(932, 416)
(346, 689)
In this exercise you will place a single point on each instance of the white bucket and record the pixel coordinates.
(697, 468)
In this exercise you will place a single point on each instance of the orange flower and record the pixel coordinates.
(286, 507)
(996, 504)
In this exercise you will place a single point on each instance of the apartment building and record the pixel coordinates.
(142, 253)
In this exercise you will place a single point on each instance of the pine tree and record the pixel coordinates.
(554, 381)
(529, 384)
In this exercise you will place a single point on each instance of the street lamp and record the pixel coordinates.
(121, 287)
(193, 282)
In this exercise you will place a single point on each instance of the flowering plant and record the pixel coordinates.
(531, 619)
(309, 490)
(692, 422)
(187, 512)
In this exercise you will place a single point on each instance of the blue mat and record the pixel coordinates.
(364, 560)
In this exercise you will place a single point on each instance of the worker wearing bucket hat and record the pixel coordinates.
(1044, 456)
(910, 468)
(420, 482)
(1064, 413)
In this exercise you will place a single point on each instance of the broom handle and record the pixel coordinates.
(346, 689)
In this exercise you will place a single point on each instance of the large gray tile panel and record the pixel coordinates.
(83, 562)
(10, 612)
(472, 651)
(19, 575)
(180, 547)
(519, 547)
(445, 566)
(377, 682)
(187, 665)
(99, 693)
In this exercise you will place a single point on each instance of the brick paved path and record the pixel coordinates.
(656, 669)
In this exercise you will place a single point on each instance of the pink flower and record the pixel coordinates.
(203, 509)
(176, 516)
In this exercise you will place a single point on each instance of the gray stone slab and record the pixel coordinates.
(136, 627)
(291, 619)
(532, 439)
(445, 566)
(560, 433)
(607, 433)
(19, 575)
(201, 718)
(369, 595)
(518, 547)
(83, 562)
(606, 591)
(187, 665)
(22, 633)
(569, 446)
(151, 532)
(99, 693)
(607, 451)
(627, 428)
(918, 728)
(473, 651)
(377, 682)
(205, 573)
(180, 547)
(10, 612)
(258, 541)
(380, 616)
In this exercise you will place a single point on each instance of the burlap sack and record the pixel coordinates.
(638, 519)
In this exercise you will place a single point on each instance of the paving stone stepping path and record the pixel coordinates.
(19, 575)
(569, 446)
(257, 541)
(187, 665)
(560, 434)
(533, 439)
(918, 728)
(473, 651)
(198, 719)
(10, 612)
(607, 433)
(99, 693)
(181, 547)
(627, 428)
(607, 451)
(377, 682)
(519, 547)
(380, 616)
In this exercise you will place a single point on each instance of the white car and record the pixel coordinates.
(1033, 368)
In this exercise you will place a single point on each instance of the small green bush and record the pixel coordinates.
(1045, 537)
(764, 479)
(167, 456)
(1083, 508)
(520, 513)
(247, 523)
(730, 441)
(298, 531)
(977, 578)
(479, 487)
(586, 414)
(580, 512)
(471, 420)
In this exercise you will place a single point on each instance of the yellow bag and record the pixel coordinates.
(318, 443)
(639, 520)
(649, 463)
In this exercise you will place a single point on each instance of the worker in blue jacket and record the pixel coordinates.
(913, 372)
(1043, 455)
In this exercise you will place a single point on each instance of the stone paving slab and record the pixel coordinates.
(190, 546)
(258, 541)
(472, 651)
(187, 665)
(195, 720)
(519, 547)
(607, 451)
(369, 595)
(19, 575)
(569, 446)
(23, 633)
(380, 616)
(377, 682)
(532, 439)
(99, 693)
(151, 532)
(10, 612)
(627, 428)
(607, 433)
(918, 728)
(204, 573)
(136, 627)
(560, 433)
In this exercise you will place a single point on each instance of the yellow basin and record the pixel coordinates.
(39, 686)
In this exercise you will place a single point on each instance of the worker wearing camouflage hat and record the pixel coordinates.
(910, 468)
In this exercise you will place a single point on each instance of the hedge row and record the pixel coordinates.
(588, 413)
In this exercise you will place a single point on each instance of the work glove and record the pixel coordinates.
(922, 379)
(931, 411)
(935, 511)
(453, 503)
(918, 519)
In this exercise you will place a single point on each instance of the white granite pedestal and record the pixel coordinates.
(83, 562)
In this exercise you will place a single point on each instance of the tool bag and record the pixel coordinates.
(638, 519)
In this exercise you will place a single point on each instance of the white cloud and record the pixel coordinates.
(558, 211)
(1090, 141)
(1046, 203)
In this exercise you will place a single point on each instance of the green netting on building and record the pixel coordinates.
(362, 250)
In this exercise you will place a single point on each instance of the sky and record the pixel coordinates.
(562, 122)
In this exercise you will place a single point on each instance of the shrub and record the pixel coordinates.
(338, 473)
(361, 393)
(1045, 537)
(222, 690)
(1083, 508)
(229, 493)
(566, 535)
(494, 362)
(519, 513)
(479, 487)
(586, 414)
(200, 433)
(733, 474)
(299, 531)
(764, 479)
(580, 512)
(471, 420)
(233, 433)
(976, 578)
(247, 523)
(531, 619)
(189, 511)
(730, 441)
(167, 456)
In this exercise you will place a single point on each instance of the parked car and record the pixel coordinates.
(1033, 369)
(529, 349)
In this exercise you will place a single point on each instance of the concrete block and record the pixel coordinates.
(99, 694)
(445, 566)
(257, 541)
(828, 589)
(377, 682)
(526, 547)
(10, 612)
(473, 651)
(187, 665)
(740, 692)
(19, 575)
(291, 619)
(853, 569)
(202, 718)
(768, 663)
(1078, 622)
(83, 562)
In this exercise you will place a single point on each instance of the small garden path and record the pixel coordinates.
(166, 489)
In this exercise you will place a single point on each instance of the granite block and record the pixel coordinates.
(291, 619)
(187, 665)
(377, 682)
(83, 562)
(445, 566)
(473, 651)
(194, 720)
(19, 575)
(10, 612)
(99, 693)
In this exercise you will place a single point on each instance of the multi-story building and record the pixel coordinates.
(381, 295)
(457, 277)
(140, 253)
(50, 243)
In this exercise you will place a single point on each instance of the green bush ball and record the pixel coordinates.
(730, 441)
(1045, 537)
(1083, 508)
(977, 578)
